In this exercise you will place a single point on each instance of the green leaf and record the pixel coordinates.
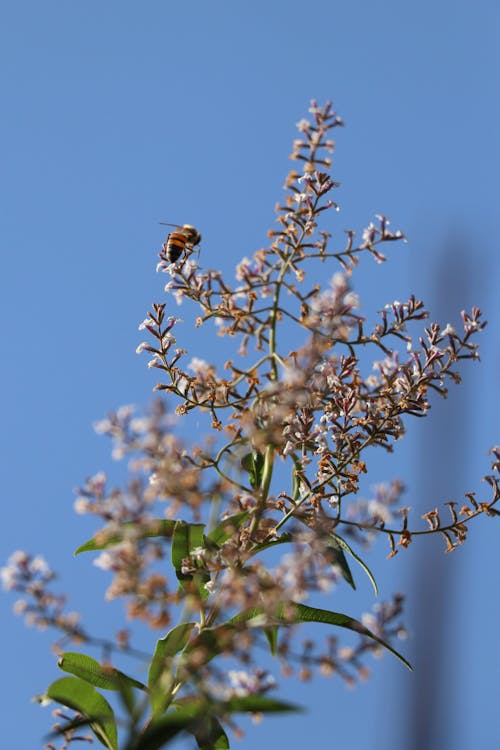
(285, 538)
(253, 464)
(197, 716)
(188, 537)
(80, 696)
(161, 678)
(226, 528)
(160, 731)
(343, 545)
(303, 613)
(88, 669)
(210, 735)
(290, 613)
(272, 638)
(259, 704)
(335, 555)
(111, 536)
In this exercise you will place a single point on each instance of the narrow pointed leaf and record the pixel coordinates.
(210, 735)
(272, 638)
(284, 538)
(80, 696)
(343, 544)
(167, 647)
(253, 464)
(88, 669)
(260, 704)
(160, 731)
(188, 537)
(303, 613)
(109, 537)
(290, 613)
(336, 556)
(161, 676)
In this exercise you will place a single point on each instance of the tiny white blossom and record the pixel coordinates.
(8, 576)
(104, 561)
(39, 565)
(154, 361)
(81, 505)
(102, 427)
(19, 557)
(197, 365)
(300, 197)
(197, 553)
(352, 300)
(303, 125)
(179, 296)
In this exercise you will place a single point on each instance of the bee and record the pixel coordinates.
(186, 237)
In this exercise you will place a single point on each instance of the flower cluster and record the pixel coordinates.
(259, 517)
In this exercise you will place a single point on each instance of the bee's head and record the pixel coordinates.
(192, 234)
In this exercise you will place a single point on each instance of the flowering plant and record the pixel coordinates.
(264, 512)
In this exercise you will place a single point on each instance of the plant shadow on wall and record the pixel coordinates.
(280, 471)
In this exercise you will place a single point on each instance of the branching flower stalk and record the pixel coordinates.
(266, 511)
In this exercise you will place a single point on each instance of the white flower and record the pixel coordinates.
(104, 561)
(352, 300)
(154, 361)
(81, 505)
(8, 576)
(39, 565)
(303, 125)
(197, 365)
(168, 339)
(125, 411)
(102, 427)
(300, 197)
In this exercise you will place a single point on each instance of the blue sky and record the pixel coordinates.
(117, 115)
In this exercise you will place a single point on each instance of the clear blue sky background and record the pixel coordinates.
(116, 115)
